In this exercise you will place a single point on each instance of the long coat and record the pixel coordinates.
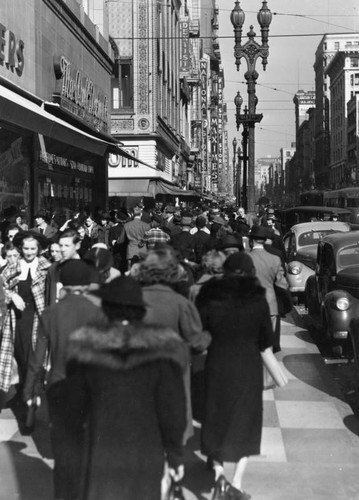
(10, 277)
(125, 383)
(168, 308)
(235, 312)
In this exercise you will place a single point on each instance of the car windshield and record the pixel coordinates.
(348, 256)
(312, 237)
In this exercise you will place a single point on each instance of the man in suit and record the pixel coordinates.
(42, 225)
(270, 272)
(135, 231)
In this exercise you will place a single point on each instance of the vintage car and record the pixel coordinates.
(332, 293)
(300, 244)
(297, 215)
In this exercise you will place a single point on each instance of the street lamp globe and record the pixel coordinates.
(238, 101)
(264, 16)
(237, 16)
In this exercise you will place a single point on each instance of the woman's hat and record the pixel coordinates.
(239, 263)
(21, 235)
(76, 272)
(124, 291)
(258, 233)
(99, 257)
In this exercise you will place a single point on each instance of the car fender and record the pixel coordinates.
(339, 320)
(298, 280)
(311, 295)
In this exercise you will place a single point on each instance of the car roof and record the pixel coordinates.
(314, 208)
(320, 226)
(339, 240)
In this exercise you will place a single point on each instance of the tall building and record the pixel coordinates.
(343, 72)
(162, 93)
(326, 50)
(353, 139)
(147, 96)
(303, 101)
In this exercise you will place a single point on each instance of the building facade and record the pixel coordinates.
(329, 45)
(343, 72)
(167, 99)
(55, 71)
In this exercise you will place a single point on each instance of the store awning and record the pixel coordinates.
(129, 187)
(147, 188)
(26, 114)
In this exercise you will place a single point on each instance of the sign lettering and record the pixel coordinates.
(11, 51)
(77, 94)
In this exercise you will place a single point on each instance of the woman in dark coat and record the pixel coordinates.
(126, 385)
(234, 310)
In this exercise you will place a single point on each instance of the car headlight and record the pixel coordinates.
(296, 268)
(343, 304)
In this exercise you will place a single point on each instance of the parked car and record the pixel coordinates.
(332, 293)
(300, 244)
(297, 215)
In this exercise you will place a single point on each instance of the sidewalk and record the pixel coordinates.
(310, 444)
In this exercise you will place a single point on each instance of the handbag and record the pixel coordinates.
(170, 489)
(175, 492)
(273, 368)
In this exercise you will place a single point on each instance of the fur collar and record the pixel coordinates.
(120, 347)
(243, 288)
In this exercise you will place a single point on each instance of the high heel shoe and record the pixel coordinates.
(220, 489)
(235, 494)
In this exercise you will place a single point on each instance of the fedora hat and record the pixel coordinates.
(124, 291)
(231, 241)
(258, 233)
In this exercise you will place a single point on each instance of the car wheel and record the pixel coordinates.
(352, 354)
(310, 302)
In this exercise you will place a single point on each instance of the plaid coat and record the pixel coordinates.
(10, 277)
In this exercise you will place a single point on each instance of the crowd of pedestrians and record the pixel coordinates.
(106, 315)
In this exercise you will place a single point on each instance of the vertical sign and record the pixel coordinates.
(185, 62)
(220, 123)
(214, 151)
(204, 116)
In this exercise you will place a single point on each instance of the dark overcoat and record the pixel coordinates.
(126, 385)
(235, 312)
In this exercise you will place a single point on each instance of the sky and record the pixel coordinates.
(295, 32)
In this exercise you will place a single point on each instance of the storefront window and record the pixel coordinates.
(65, 185)
(15, 160)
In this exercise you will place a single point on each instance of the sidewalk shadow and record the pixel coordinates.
(40, 432)
(352, 424)
(27, 478)
(197, 480)
(310, 369)
(305, 336)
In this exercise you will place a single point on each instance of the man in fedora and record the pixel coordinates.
(270, 272)
(134, 230)
(184, 241)
(42, 225)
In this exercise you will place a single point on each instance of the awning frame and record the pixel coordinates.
(28, 115)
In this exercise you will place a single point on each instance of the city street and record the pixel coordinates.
(310, 445)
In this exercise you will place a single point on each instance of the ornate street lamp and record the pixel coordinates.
(236, 173)
(251, 51)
